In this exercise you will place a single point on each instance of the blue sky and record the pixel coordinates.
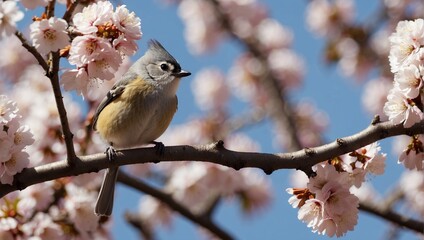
(324, 86)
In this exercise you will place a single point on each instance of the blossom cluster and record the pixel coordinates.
(33, 214)
(104, 36)
(405, 100)
(326, 204)
(14, 138)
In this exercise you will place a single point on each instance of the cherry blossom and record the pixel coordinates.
(49, 35)
(325, 18)
(154, 212)
(14, 137)
(202, 30)
(210, 89)
(80, 205)
(15, 59)
(375, 96)
(405, 42)
(32, 4)
(401, 109)
(272, 35)
(412, 184)
(326, 205)
(412, 156)
(105, 37)
(93, 15)
(9, 15)
(409, 81)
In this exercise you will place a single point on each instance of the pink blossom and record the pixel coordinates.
(375, 95)
(87, 48)
(104, 66)
(124, 45)
(75, 79)
(15, 164)
(273, 35)
(32, 4)
(43, 195)
(409, 81)
(412, 185)
(9, 15)
(13, 139)
(405, 42)
(80, 205)
(327, 174)
(401, 109)
(241, 142)
(325, 18)
(15, 58)
(93, 15)
(287, 67)
(243, 79)
(255, 191)
(8, 109)
(367, 158)
(128, 23)
(42, 226)
(49, 35)
(154, 212)
(312, 213)
(202, 29)
(210, 90)
(244, 16)
(412, 156)
(333, 210)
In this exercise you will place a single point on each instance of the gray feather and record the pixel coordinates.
(104, 204)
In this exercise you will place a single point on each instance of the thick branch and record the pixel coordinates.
(172, 204)
(392, 216)
(213, 153)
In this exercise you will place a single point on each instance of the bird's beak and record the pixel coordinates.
(182, 74)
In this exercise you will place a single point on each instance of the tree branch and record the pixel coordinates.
(173, 204)
(33, 51)
(213, 153)
(392, 216)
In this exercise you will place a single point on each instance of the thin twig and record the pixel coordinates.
(53, 75)
(33, 51)
(205, 222)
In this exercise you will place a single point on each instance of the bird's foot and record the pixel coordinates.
(110, 153)
(160, 148)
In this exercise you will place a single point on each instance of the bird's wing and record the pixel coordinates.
(114, 93)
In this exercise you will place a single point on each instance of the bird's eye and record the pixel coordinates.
(164, 67)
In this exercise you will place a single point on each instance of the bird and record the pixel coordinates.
(136, 111)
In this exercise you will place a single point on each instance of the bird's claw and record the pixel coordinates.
(110, 153)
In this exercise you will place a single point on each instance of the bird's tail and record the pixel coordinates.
(104, 204)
